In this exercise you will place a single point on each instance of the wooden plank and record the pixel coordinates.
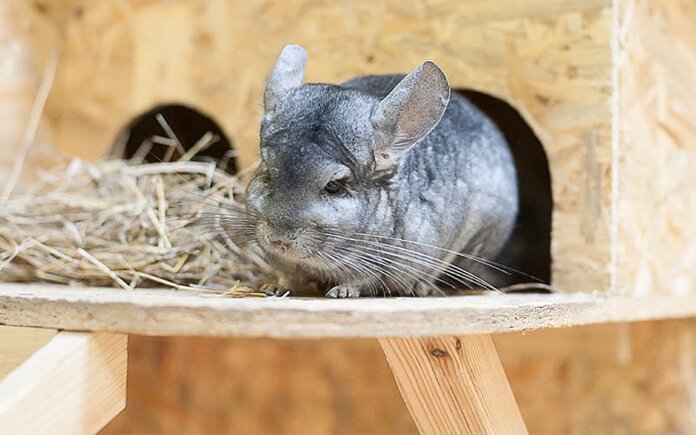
(170, 312)
(454, 385)
(74, 384)
(17, 344)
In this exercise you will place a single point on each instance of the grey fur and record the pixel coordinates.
(410, 169)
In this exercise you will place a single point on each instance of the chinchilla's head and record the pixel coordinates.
(328, 154)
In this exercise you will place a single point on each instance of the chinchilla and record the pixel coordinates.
(382, 185)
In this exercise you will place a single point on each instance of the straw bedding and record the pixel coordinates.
(114, 224)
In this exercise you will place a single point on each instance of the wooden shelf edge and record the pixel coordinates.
(168, 312)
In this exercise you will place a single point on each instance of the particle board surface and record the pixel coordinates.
(168, 312)
(655, 156)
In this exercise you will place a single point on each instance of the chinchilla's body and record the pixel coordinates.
(373, 186)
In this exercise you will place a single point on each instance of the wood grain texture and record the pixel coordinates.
(454, 385)
(17, 344)
(75, 384)
(170, 312)
(655, 155)
(551, 59)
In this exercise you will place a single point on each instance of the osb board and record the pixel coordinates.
(618, 379)
(171, 312)
(656, 148)
(549, 58)
(21, 65)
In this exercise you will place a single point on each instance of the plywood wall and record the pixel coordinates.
(655, 157)
(22, 62)
(549, 58)
(619, 379)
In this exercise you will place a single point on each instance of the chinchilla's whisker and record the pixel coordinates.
(204, 198)
(223, 217)
(402, 286)
(443, 268)
(340, 270)
(358, 265)
(496, 266)
(197, 222)
(392, 268)
(218, 226)
(223, 213)
(242, 233)
(206, 233)
(489, 263)
(395, 261)
(395, 269)
(341, 263)
(451, 270)
(221, 223)
(367, 267)
(385, 264)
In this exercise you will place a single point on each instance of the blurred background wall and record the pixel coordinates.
(607, 379)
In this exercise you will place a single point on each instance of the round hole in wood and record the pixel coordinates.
(529, 247)
(146, 139)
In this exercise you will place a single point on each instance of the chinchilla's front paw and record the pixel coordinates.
(342, 292)
(275, 289)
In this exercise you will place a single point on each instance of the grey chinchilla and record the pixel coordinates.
(379, 184)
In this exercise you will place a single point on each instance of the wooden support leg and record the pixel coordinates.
(73, 384)
(454, 385)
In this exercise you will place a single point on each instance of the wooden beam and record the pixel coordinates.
(170, 312)
(74, 384)
(454, 385)
(17, 344)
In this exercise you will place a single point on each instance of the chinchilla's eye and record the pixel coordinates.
(333, 187)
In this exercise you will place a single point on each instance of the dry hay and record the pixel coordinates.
(111, 223)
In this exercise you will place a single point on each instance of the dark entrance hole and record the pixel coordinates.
(145, 138)
(529, 247)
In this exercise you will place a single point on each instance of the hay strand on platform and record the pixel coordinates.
(114, 224)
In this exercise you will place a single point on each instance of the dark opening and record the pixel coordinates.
(146, 137)
(529, 248)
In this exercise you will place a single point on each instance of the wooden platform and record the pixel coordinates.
(168, 312)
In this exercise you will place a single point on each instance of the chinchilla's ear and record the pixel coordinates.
(287, 74)
(410, 111)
